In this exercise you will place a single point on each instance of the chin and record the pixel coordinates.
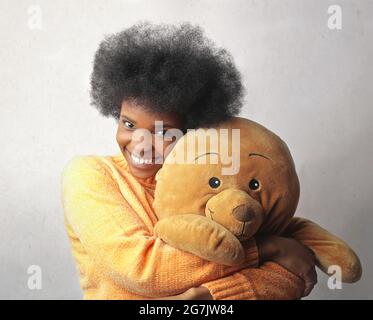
(142, 174)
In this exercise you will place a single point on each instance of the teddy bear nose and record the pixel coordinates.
(243, 213)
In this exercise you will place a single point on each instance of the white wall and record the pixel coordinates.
(309, 84)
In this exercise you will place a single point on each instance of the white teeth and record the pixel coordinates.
(140, 161)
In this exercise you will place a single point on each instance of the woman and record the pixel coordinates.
(175, 75)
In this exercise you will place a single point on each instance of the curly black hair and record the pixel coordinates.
(167, 68)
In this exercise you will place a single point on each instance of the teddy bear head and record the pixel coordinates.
(239, 174)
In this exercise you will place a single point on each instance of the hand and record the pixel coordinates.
(292, 255)
(195, 293)
(198, 293)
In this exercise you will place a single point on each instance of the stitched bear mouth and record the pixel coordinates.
(243, 229)
(212, 212)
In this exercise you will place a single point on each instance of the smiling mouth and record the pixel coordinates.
(141, 161)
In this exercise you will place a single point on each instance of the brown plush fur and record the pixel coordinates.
(213, 222)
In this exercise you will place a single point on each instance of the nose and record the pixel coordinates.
(142, 149)
(243, 213)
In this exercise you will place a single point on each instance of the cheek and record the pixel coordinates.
(123, 138)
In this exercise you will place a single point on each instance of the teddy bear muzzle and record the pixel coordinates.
(237, 211)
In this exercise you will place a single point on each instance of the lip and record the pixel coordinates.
(141, 165)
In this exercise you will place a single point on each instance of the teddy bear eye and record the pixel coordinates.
(254, 184)
(214, 182)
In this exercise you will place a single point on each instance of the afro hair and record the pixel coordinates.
(167, 68)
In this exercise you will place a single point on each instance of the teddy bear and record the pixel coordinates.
(220, 186)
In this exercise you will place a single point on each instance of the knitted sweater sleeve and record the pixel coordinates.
(121, 246)
(270, 281)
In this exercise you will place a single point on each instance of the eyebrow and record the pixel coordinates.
(205, 154)
(134, 122)
(125, 117)
(259, 155)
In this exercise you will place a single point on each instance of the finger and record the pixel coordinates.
(310, 281)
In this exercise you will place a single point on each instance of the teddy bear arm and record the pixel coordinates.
(201, 236)
(328, 248)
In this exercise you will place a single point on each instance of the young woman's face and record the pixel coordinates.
(142, 158)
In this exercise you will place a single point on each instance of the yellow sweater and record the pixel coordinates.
(109, 219)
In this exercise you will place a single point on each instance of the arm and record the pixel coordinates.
(328, 249)
(288, 272)
(121, 245)
(268, 282)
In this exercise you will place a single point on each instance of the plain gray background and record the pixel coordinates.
(309, 84)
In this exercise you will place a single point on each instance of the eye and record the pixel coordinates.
(128, 124)
(214, 182)
(254, 184)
